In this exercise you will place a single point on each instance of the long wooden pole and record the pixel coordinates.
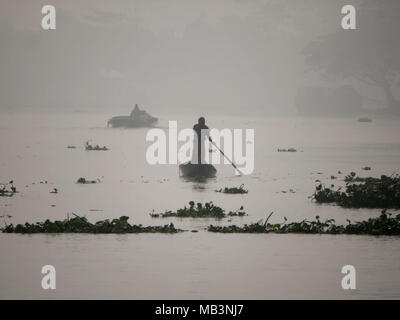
(234, 165)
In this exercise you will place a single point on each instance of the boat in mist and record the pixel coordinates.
(190, 170)
(137, 118)
(364, 119)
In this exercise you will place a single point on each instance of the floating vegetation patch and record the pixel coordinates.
(385, 224)
(84, 181)
(238, 213)
(82, 225)
(383, 192)
(290, 191)
(352, 177)
(287, 150)
(198, 210)
(7, 189)
(233, 190)
(89, 147)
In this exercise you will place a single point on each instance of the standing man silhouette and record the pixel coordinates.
(198, 142)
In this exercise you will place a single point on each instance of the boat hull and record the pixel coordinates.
(128, 122)
(197, 170)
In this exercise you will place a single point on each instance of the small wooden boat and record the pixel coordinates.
(364, 119)
(138, 118)
(191, 170)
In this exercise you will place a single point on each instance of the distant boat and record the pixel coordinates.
(287, 150)
(191, 170)
(137, 118)
(364, 119)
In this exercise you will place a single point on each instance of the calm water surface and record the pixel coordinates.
(190, 265)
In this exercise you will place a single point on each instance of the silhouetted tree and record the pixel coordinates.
(370, 54)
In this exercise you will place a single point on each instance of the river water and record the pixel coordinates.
(190, 265)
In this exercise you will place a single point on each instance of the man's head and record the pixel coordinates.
(202, 121)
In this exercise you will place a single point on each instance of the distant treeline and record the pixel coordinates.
(343, 101)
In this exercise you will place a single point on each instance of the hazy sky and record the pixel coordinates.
(219, 56)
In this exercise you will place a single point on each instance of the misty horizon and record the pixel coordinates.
(245, 58)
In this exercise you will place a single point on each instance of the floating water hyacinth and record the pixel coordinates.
(7, 189)
(233, 190)
(385, 224)
(208, 210)
(82, 225)
(82, 180)
(383, 192)
(89, 147)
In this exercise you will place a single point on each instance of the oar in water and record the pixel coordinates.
(234, 165)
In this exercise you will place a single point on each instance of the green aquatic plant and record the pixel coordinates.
(352, 177)
(383, 192)
(82, 225)
(198, 210)
(233, 190)
(84, 181)
(290, 191)
(89, 147)
(385, 224)
(7, 189)
(238, 213)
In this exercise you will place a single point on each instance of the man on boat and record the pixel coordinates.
(201, 130)
(198, 167)
(135, 111)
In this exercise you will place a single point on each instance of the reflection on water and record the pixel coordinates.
(191, 265)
